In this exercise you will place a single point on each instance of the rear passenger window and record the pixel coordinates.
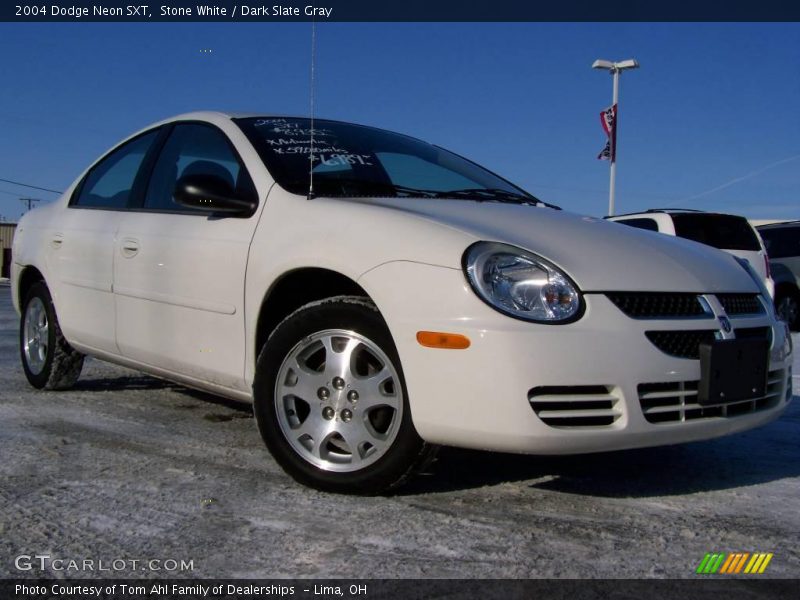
(726, 232)
(643, 223)
(110, 182)
(194, 149)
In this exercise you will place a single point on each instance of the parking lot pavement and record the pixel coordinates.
(126, 466)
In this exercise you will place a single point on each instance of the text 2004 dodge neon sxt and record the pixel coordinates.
(412, 299)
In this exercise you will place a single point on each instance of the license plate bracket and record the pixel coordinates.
(732, 370)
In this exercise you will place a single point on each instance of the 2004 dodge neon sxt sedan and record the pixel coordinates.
(375, 296)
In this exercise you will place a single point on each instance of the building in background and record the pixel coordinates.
(6, 239)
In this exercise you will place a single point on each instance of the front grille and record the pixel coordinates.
(741, 304)
(681, 344)
(677, 401)
(575, 406)
(686, 344)
(657, 305)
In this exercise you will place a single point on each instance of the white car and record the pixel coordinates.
(730, 233)
(403, 299)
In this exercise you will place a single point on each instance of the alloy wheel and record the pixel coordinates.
(338, 400)
(36, 335)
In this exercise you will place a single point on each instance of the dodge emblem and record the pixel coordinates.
(725, 324)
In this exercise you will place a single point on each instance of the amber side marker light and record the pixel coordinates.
(438, 339)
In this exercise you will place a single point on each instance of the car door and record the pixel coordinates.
(81, 248)
(179, 272)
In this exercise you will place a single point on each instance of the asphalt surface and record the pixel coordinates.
(128, 467)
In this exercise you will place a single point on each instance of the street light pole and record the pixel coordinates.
(615, 68)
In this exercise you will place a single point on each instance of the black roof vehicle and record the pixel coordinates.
(782, 241)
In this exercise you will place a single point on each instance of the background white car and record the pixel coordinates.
(730, 233)
(404, 298)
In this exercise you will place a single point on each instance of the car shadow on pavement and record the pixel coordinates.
(127, 383)
(147, 383)
(762, 455)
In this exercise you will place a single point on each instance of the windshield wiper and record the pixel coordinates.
(497, 195)
(488, 194)
(385, 189)
(370, 188)
(410, 191)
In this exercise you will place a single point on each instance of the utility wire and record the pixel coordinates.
(33, 187)
(17, 194)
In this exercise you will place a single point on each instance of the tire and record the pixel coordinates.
(48, 360)
(787, 305)
(331, 403)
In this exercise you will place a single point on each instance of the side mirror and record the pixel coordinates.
(209, 192)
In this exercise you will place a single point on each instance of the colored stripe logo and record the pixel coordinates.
(734, 563)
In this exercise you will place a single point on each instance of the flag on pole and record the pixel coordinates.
(605, 153)
(608, 119)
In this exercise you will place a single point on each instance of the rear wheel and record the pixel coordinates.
(48, 360)
(331, 402)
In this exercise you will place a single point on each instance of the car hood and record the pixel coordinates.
(599, 255)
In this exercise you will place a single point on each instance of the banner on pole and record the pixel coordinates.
(608, 119)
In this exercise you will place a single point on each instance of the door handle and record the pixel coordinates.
(130, 247)
(57, 240)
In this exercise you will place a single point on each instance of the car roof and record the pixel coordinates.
(212, 115)
(780, 225)
(215, 116)
(669, 211)
(673, 210)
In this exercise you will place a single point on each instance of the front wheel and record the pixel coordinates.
(331, 403)
(48, 360)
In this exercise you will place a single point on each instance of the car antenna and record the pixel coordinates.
(311, 131)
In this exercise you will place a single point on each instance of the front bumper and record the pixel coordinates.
(481, 397)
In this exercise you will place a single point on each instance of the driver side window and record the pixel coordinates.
(194, 149)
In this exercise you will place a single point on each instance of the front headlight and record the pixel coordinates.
(521, 284)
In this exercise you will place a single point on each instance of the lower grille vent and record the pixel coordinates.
(575, 406)
(675, 402)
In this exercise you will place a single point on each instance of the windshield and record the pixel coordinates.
(354, 160)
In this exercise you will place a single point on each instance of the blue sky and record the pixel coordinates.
(710, 121)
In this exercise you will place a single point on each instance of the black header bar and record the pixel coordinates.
(407, 10)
